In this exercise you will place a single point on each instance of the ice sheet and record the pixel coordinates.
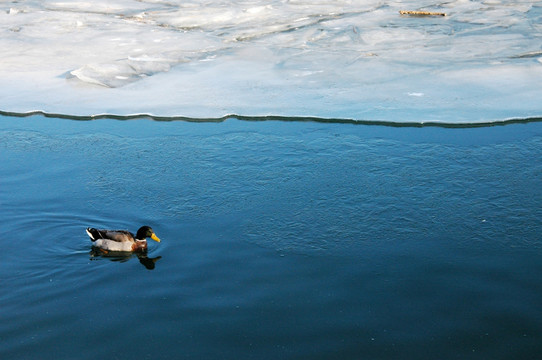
(333, 59)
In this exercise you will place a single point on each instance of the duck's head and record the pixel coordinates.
(146, 232)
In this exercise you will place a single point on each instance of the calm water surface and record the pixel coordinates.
(280, 240)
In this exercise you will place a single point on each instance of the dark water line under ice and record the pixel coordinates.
(412, 124)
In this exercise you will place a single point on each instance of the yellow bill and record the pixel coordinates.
(155, 238)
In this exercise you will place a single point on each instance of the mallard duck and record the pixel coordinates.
(121, 240)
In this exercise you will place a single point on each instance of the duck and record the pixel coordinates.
(121, 240)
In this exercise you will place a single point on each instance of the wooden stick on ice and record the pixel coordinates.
(421, 13)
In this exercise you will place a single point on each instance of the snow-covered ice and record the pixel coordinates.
(332, 59)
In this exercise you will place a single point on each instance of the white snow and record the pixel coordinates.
(337, 59)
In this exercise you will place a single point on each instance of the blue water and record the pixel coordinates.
(280, 240)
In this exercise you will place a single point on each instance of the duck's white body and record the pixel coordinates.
(111, 245)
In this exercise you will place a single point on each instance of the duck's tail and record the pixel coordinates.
(93, 233)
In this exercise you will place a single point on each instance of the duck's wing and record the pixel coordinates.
(115, 235)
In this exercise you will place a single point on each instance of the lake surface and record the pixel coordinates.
(280, 240)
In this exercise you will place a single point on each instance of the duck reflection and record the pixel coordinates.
(123, 256)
